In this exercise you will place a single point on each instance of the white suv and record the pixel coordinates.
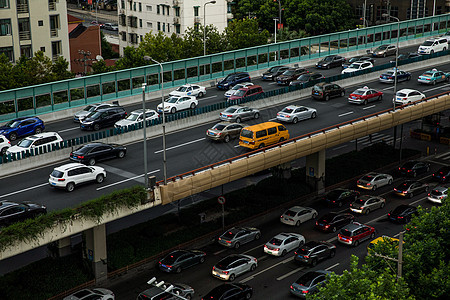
(4, 144)
(35, 141)
(433, 45)
(70, 175)
(136, 116)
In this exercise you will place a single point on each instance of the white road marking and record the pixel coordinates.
(181, 145)
(267, 269)
(436, 88)
(372, 106)
(331, 267)
(290, 273)
(125, 180)
(340, 147)
(68, 129)
(344, 114)
(236, 146)
(204, 98)
(24, 190)
(274, 119)
(388, 88)
(220, 251)
(442, 155)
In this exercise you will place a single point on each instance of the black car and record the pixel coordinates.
(103, 118)
(325, 91)
(330, 61)
(442, 175)
(409, 188)
(178, 260)
(402, 214)
(413, 168)
(91, 153)
(290, 75)
(347, 63)
(340, 196)
(12, 212)
(333, 221)
(406, 56)
(233, 79)
(273, 72)
(235, 291)
(313, 251)
(305, 78)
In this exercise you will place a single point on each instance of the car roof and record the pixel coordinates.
(440, 188)
(42, 135)
(69, 166)
(6, 204)
(298, 208)
(353, 226)
(293, 106)
(407, 91)
(283, 236)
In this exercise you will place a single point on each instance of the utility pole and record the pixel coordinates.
(399, 259)
(85, 60)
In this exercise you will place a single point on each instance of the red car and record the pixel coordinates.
(248, 91)
(354, 233)
(365, 95)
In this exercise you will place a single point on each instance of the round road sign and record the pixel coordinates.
(221, 199)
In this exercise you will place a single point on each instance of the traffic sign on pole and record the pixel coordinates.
(221, 200)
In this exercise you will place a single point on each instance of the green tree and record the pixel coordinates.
(60, 69)
(107, 51)
(363, 283)
(101, 67)
(244, 33)
(6, 74)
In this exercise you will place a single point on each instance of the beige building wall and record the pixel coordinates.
(136, 18)
(27, 26)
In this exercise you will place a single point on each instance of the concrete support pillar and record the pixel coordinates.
(64, 247)
(315, 170)
(282, 171)
(96, 251)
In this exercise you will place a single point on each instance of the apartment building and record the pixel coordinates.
(136, 18)
(402, 9)
(27, 26)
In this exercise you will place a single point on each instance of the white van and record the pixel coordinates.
(433, 45)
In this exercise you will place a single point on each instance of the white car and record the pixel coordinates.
(70, 175)
(295, 113)
(4, 144)
(80, 115)
(297, 215)
(282, 243)
(35, 141)
(175, 103)
(358, 66)
(372, 181)
(234, 265)
(235, 88)
(406, 96)
(189, 90)
(136, 117)
(87, 294)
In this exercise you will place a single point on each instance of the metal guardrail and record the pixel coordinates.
(197, 111)
(60, 95)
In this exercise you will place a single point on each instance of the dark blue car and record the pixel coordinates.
(23, 126)
(233, 79)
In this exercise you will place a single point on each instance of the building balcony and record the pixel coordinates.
(51, 5)
(22, 8)
(55, 57)
(24, 35)
(176, 20)
(176, 2)
(53, 32)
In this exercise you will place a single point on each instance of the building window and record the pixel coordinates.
(168, 10)
(4, 3)
(164, 27)
(25, 50)
(5, 27)
(140, 23)
(43, 49)
(157, 10)
(229, 8)
(149, 8)
(196, 11)
(124, 36)
(177, 11)
(149, 24)
(22, 6)
(134, 6)
(54, 25)
(40, 23)
(178, 28)
(24, 29)
(122, 20)
(140, 6)
(122, 4)
(159, 26)
(168, 27)
(394, 11)
(8, 51)
(51, 4)
(56, 49)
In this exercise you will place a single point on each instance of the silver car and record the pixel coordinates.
(157, 293)
(365, 204)
(237, 113)
(96, 293)
(235, 88)
(234, 265)
(80, 115)
(297, 215)
(372, 181)
(237, 236)
(295, 113)
(438, 194)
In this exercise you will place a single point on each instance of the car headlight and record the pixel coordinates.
(88, 123)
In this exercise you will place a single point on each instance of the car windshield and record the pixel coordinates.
(57, 174)
(287, 110)
(427, 43)
(402, 56)
(288, 72)
(172, 100)
(25, 143)
(303, 251)
(304, 77)
(355, 66)
(219, 127)
(224, 263)
(275, 242)
(133, 117)
(239, 93)
(182, 89)
(399, 209)
(290, 213)
(230, 110)
(362, 199)
(229, 77)
(427, 74)
(247, 133)
(359, 92)
(89, 108)
(12, 124)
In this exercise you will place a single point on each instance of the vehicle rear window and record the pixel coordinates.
(359, 92)
(346, 232)
(317, 88)
(229, 235)
(275, 242)
(436, 193)
(306, 279)
(367, 178)
(219, 127)
(303, 251)
(290, 213)
(287, 110)
(230, 110)
(401, 94)
(57, 174)
(247, 133)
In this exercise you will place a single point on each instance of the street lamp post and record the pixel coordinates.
(275, 31)
(396, 54)
(204, 24)
(145, 137)
(364, 13)
(163, 116)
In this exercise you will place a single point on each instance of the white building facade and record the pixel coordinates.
(27, 26)
(137, 18)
